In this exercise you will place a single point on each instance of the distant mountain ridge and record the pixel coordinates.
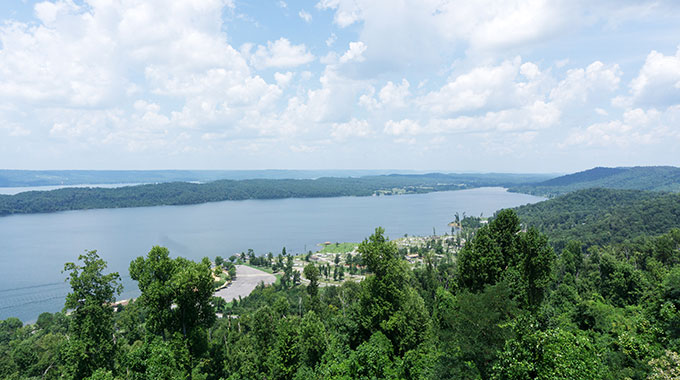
(23, 178)
(651, 178)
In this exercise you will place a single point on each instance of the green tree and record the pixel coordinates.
(287, 278)
(91, 343)
(285, 356)
(219, 261)
(387, 301)
(154, 277)
(373, 359)
(313, 339)
(194, 314)
(536, 260)
(667, 367)
(472, 329)
(548, 355)
(176, 297)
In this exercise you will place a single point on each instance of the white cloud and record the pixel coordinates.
(658, 81)
(353, 128)
(390, 96)
(508, 84)
(80, 65)
(331, 40)
(283, 79)
(306, 16)
(428, 32)
(532, 117)
(516, 22)
(404, 127)
(581, 84)
(354, 53)
(280, 54)
(409, 31)
(347, 12)
(636, 127)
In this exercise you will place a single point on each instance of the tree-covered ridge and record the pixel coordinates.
(603, 216)
(510, 307)
(652, 178)
(182, 193)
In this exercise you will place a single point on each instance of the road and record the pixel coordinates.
(247, 279)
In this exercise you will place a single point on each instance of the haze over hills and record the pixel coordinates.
(651, 178)
(21, 178)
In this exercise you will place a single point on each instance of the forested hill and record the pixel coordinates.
(654, 178)
(182, 193)
(603, 216)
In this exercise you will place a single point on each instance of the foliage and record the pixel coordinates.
(601, 216)
(91, 343)
(649, 178)
(506, 306)
(182, 193)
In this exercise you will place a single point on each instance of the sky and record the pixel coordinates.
(446, 85)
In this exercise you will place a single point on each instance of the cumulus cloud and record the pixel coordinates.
(582, 83)
(421, 30)
(636, 127)
(658, 81)
(283, 79)
(390, 96)
(404, 127)
(353, 128)
(280, 54)
(149, 74)
(427, 32)
(509, 84)
(354, 53)
(532, 117)
(81, 64)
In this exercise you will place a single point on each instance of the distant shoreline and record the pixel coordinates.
(186, 193)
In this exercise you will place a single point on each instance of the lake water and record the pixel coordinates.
(34, 248)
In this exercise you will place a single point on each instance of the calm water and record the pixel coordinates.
(34, 248)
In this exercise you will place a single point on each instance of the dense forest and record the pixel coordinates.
(651, 178)
(510, 306)
(603, 216)
(182, 193)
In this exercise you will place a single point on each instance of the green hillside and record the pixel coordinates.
(603, 216)
(653, 178)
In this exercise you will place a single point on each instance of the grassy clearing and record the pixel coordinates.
(339, 247)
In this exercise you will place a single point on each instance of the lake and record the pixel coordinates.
(34, 248)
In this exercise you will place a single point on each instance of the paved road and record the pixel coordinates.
(247, 279)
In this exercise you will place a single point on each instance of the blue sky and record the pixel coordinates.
(448, 85)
